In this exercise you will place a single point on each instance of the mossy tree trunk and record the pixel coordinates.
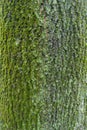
(42, 80)
(22, 73)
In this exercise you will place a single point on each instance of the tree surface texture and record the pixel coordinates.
(43, 65)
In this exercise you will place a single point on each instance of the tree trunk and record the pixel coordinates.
(43, 64)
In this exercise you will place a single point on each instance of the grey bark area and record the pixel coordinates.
(65, 97)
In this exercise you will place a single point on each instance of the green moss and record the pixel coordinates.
(21, 65)
(43, 64)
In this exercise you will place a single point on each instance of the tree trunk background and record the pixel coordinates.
(43, 65)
